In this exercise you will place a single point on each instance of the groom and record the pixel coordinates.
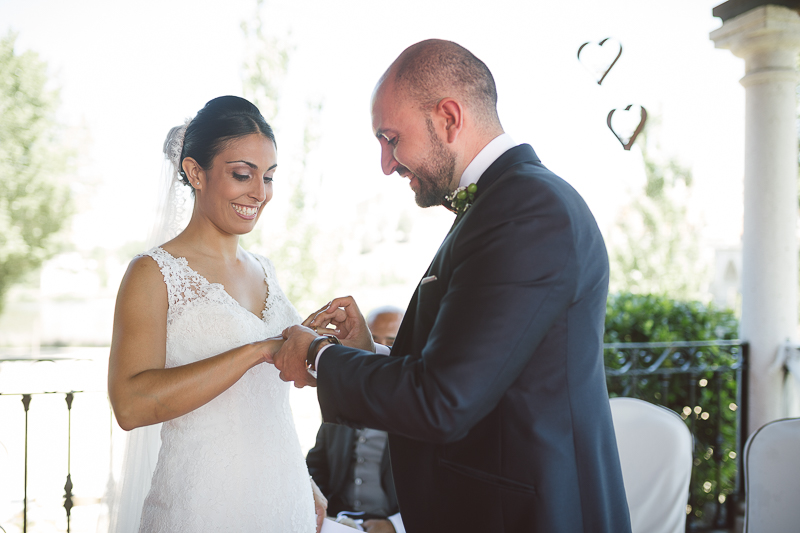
(494, 395)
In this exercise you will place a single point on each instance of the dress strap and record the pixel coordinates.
(183, 284)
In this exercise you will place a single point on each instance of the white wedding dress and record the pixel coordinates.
(234, 464)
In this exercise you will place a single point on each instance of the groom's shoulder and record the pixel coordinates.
(529, 189)
(531, 181)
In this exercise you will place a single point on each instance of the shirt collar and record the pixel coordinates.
(496, 147)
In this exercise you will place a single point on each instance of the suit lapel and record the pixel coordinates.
(514, 156)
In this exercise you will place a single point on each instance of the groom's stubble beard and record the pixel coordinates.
(435, 175)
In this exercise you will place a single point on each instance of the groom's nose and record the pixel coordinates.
(388, 163)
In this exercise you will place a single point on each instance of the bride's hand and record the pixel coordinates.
(269, 347)
(347, 321)
(320, 504)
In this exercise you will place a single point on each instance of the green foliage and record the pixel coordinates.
(706, 400)
(34, 203)
(654, 318)
(656, 248)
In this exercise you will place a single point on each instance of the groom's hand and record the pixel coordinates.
(348, 322)
(291, 358)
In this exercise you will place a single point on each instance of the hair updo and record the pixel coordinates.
(220, 121)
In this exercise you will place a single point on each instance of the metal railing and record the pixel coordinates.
(706, 384)
(31, 399)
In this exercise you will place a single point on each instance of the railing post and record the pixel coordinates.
(719, 519)
(26, 403)
(665, 381)
(742, 417)
(68, 487)
(695, 443)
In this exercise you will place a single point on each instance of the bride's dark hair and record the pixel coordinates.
(220, 121)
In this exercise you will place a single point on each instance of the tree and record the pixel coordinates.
(34, 205)
(291, 247)
(654, 247)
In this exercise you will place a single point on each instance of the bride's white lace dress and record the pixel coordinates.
(234, 464)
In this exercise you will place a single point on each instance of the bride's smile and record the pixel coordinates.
(246, 212)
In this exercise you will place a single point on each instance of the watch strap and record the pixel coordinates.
(313, 348)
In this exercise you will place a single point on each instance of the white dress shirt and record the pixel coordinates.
(496, 147)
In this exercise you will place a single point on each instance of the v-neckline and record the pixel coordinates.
(222, 287)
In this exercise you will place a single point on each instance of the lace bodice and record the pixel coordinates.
(235, 463)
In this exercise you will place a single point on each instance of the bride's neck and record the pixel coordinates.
(208, 240)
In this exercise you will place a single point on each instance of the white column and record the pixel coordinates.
(767, 38)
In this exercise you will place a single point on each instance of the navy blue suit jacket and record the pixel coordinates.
(495, 395)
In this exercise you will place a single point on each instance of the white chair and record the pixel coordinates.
(772, 478)
(655, 451)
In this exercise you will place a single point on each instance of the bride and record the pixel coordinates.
(191, 333)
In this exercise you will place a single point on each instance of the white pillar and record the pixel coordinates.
(767, 38)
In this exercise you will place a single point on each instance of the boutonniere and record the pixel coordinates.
(461, 199)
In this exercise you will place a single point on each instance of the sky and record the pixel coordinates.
(129, 71)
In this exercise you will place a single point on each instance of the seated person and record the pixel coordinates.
(351, 466)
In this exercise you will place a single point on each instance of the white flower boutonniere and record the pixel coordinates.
(461, 199)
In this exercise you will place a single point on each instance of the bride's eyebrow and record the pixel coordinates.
(248, 163)
(251, 165)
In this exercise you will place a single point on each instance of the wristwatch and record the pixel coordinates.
(313, 350)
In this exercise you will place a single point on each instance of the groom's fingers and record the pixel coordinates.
(348, 303)
(337, 311)
(326, 318)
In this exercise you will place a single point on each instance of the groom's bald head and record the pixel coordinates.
(434, 69)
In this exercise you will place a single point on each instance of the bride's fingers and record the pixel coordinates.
(315, 313)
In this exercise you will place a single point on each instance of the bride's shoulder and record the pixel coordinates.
(153, 258)
(264, 260)
(147, 263)
(143, 274)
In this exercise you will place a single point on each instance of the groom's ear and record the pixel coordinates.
(451, 113)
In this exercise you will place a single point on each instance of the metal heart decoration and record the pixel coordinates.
(600, 58)
(627, 124)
